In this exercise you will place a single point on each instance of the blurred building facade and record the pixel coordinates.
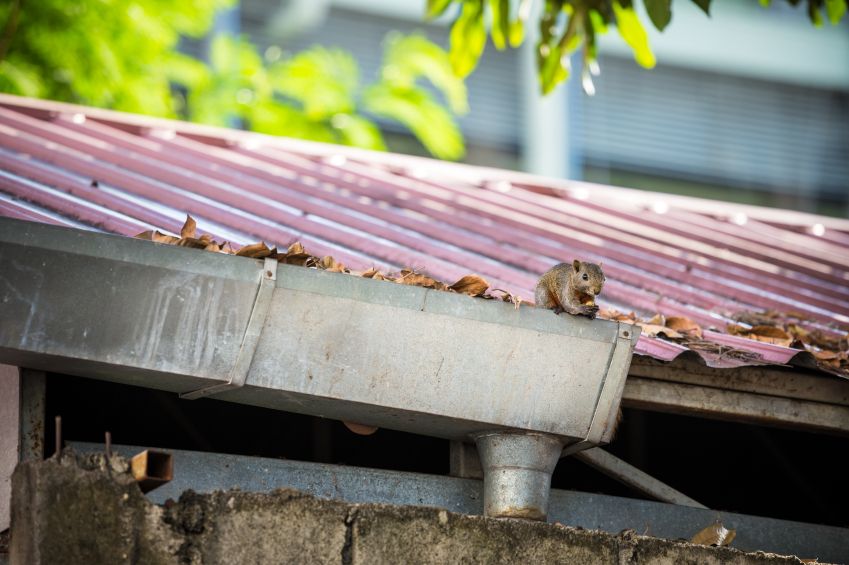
(751, 105)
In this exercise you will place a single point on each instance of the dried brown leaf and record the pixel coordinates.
(158, 237)
(254, 250)
(684, 325)
(374, 274)
(328, 263)
(770, 334)
(658, 320)
(206, 238)
(360, 429)
(190, 242)
(473, 285)
(212, 246)
(189, 228)
(734, 329)
(227, 248)
(715, 534)
(653, 330)
(296, 249)
(417, 279)
(826, 355)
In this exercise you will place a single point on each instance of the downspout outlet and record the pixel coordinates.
(517, 471)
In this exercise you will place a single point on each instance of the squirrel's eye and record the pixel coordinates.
(586, 278)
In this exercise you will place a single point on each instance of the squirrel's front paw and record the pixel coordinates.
(589, 310)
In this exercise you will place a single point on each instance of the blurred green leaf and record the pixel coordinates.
(184, 70)
(435, 8)
(410, 57)
(835, 9)
(468, 38)
(705, 5)
(500, 30)
(19, 79)
(814, 13)
(323, 80)
(431, 123)
(634, 34)
(358, 131)
(660, 12)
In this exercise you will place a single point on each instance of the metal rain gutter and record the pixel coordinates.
(523, 383)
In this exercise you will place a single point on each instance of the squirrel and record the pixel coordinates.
(570, 288)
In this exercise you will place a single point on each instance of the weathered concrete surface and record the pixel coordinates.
(83, 510)
(9, 432)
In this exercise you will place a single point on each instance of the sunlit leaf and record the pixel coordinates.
(417, 110)
(435, 8)
(634, 34)
(468, 38)
(358, 131)
(500, 30)
(322, 80)
(410, 57)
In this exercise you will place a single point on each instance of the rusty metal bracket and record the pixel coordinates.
(259, 312)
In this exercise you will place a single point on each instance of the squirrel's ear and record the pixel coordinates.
(577, 265)
(599, 264)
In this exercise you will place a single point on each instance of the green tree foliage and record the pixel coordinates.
(123, 55)
(317, 94)
(567, 25)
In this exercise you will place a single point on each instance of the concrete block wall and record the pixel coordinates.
(83, 510)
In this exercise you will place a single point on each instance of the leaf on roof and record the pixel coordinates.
(658, 320)
(254, 251)
(653, 330)
(189, 228)
(473, 285)
(762, 333)
(616, 315)
(715, 534)
(684, 325)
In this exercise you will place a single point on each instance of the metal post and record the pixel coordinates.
(517, 471)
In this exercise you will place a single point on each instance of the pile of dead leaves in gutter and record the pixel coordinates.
(295, 254)
(784, 329)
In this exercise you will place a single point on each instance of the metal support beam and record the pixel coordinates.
(465, 462)
(747, 407)
(627, 474)
(205, 472)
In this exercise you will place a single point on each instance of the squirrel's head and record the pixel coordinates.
(587, 278)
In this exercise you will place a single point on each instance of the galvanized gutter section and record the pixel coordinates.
(324, 344)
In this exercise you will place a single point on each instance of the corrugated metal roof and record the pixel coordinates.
(120, 173)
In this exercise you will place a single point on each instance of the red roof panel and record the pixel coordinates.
(662, 253)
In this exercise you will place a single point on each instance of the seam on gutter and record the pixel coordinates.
(253, 331)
